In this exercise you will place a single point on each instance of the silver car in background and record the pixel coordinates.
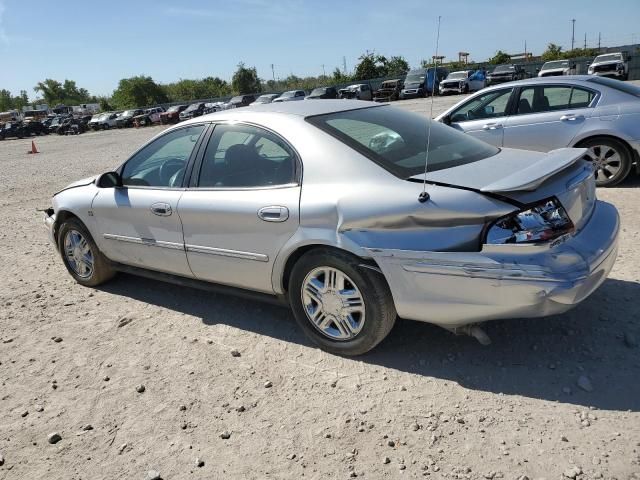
(326, 206)
(543, 114)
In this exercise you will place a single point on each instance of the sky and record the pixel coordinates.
(98, 43)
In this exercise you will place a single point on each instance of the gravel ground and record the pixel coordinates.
(140, 377)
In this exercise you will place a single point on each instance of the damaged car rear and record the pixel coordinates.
(376, 228)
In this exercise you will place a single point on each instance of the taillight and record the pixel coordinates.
(541, 222)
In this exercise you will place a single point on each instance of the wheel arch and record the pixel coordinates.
(61, 217)
(633, 153)
(292, 258)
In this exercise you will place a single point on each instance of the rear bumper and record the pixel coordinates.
(453, 289)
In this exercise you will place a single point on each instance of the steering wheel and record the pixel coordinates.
(168, 169)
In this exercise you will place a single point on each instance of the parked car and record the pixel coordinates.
(71, 126)
(148, 117)
(464, 81)
(213, 107)
(192, 111)
(557, 68)
(290, 96)
(506, 73)
(125, 119)
(56, 122)
(172, 115)
(266, 98)
(322, 93)
(549, 113)
(13, 129)
(35, 127)
(358, 91)
(497, 233)
(423, 81)
(389, 90)
(610, 65)
(240, 101)
(103, 121)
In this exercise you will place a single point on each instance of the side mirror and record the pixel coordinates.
(488, 109)
(109, 180)
(446, 119)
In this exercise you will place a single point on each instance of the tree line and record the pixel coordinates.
(142, 90)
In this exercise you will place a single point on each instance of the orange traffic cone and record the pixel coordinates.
(33, 148)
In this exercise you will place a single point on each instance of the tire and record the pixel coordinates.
(374, 314)
(92, 274)
(611, 159)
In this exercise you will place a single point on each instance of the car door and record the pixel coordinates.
(241, 207)
(484, 115)
(548, 116)
(139, 223)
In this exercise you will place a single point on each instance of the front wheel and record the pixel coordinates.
(81, 255)
(611, 160)
(341, 306)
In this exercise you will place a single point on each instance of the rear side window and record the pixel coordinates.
(243, 156)
(540, 99)
(397, 140)
(619, 85)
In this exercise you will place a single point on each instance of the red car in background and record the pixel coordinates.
(172, 115)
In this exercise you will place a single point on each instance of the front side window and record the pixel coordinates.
(397, 140)
(488, 105)
(162, 163)
(541, 99)
(243, 156)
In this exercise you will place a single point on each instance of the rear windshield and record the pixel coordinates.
(619, 85)
(397, 140)
(504, 68)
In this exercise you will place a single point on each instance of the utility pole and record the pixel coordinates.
(573, 32)
(324, 74)
(585, 40)
(599, 37)
(344, 65)
(525, 51)
(273, 72)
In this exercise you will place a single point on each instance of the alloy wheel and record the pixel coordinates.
(333, 303)
(607, 161)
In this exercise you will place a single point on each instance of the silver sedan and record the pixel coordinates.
(600, 114)
(326, 207)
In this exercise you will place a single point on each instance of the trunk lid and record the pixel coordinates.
(528, 177)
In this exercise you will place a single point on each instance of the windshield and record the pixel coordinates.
(192, 107)
(396, 139)
(265, 98)
(504, 68)
(456, 75)
(288, 94)
(127, 113)
(175, 108)
(556, 64)
(619, 85)
(415, 77)
(608, 58)
(317, 91)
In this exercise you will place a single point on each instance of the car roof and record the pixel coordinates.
(573, 80)
(299, 109)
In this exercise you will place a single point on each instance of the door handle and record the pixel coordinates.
(571, 117)
(492, 126)
(273, 214)
(162, 209)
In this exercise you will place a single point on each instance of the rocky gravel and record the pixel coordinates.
(551, 398)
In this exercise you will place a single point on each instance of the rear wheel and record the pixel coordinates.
(611, 160)
(343, 308)
(81, 255)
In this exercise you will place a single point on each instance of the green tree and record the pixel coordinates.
(397, 65)
(21, 100)
(553, 52)
(581, 52)
(138, 91)
(340, 77)
(51, 90)
(369, 66)
(6, 100)
(499, 58)
(105, 106)
(245, 80)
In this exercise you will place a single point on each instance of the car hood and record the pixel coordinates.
(510, 170)
(79, 183)
(609, 62)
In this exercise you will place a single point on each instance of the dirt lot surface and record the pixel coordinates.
(550, 398)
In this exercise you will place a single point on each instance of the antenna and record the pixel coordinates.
(424, 196)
